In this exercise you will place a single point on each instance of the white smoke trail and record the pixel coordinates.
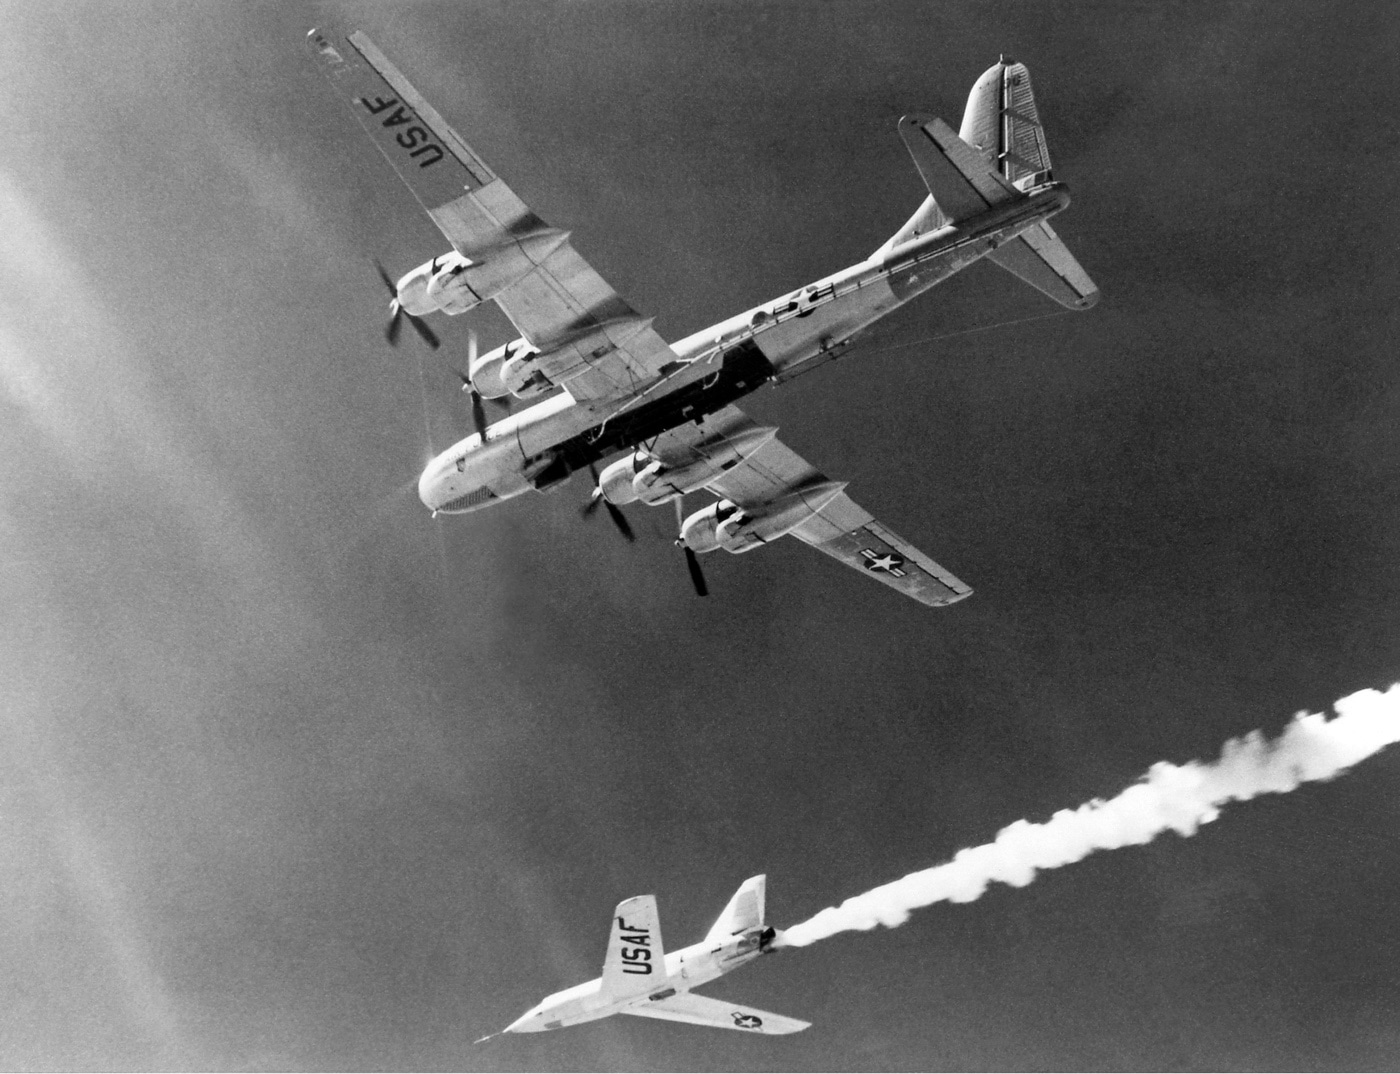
(1176, 797)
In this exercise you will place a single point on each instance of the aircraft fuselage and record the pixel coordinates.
(685, 969)
(540, 446)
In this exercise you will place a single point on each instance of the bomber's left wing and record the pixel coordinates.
(842, 528)
(707, 1011)
(562, 300)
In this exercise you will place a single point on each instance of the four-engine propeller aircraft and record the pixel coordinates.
(640, 978)
(604, 381)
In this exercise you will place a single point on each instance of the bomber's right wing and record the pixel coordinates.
(707, 1011)
(842, 529)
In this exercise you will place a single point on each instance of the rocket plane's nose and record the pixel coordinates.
(529, 1022)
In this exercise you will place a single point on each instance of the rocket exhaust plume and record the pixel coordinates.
(1176, 797)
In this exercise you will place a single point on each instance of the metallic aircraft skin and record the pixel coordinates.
(687, 968)
(814, 321)
(600, 381)
(631, 985)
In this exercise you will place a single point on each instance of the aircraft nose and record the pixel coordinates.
(428, 482)
(528, 1022)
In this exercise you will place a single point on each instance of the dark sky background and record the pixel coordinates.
(294, 776)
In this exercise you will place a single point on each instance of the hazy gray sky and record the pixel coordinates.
(293, 776)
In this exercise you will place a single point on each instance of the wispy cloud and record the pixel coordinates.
(66, 363)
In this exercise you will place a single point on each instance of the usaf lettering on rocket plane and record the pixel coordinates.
(640, 978)
(602, 381)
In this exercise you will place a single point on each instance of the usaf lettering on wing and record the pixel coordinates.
(416, 138)
(637, 957)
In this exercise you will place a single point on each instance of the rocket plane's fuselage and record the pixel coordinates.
(685, 969)
(542, 445)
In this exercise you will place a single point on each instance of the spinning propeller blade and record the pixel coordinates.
(614, 512)
(692, 561)
(397, 314)
(478, 408)
(426, 334)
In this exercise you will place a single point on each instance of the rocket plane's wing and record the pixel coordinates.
(708, 1011)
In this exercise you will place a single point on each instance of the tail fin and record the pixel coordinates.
(745, 911)
(636, 960)
(1002, 122)
(999, 155)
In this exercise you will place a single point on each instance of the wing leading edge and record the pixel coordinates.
(708, 1011)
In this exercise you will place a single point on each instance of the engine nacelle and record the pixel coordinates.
(488, 371)
(655, 482)
(453, 283)
(521, 373)
(616, 481)
(726, 525)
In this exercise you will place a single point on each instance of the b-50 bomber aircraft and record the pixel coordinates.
(600, 378)
(640, 978)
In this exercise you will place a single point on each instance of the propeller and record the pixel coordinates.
(397, 314)
(614, 512)
(692, 561)
(478, 407)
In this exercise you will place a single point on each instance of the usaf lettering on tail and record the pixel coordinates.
(602, 383)
(638, 956)
(736, 939)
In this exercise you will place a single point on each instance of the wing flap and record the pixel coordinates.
(565, 294)
(636, 961)
(708, 1011)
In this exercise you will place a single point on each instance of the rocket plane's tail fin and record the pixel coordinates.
(636, 961)
(744, 912)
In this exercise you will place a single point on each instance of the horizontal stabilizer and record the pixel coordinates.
(636, 961)
(707, 1011)
(1039, 258)
(744, 912)
(959, 178)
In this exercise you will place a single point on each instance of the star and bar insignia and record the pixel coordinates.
(747, 1021)
(885, 562)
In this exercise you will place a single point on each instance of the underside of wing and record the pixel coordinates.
(707, 1011)
(584, 336)
(840, 528)
(846, 531)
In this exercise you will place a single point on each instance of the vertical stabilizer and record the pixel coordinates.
(1002, 122)
(744, 912)
(636, 961)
